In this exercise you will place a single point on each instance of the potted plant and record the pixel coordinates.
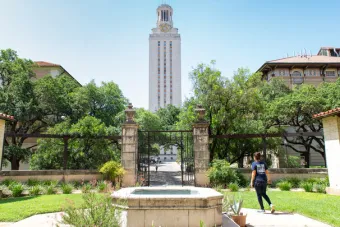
(234, 207)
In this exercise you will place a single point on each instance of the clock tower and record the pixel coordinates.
(164, 61)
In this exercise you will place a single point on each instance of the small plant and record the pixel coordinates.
(235, 205)
(284, 186)
(102, 186)
(234, 187)
(307, 186)
(8, 182)
(50, 190)
(295, 182)
(218, 188)
(35, 190)
(78, 184)
(33, 182)
(49, 183)
(112, 171)
(320, 188)
(17, 189)
(202, 224)
(96, 210)
(67, 188)
(86, 188)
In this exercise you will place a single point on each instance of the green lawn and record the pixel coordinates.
(15, 209)
(322, 207)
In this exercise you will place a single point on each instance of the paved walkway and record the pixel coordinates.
(254, 219)
(279, 219)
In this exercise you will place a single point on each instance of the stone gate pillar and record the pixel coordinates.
(201, 148)
(331, 129)
(129, 148)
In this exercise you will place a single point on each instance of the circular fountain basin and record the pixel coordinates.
(171, 206)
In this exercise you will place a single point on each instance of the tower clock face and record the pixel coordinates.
(165, 27)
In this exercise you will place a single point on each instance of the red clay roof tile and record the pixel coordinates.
(335, 111)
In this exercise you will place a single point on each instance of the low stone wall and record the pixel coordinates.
(60, 175)
(301, 173)
(87, 175)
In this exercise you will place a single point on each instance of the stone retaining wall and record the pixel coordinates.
(79, 175)
(60, 175)
(300, 173)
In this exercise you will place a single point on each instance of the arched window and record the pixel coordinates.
(296, 73)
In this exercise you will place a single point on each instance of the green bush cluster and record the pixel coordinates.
(34, 187)
(221, 174)
(309, 185)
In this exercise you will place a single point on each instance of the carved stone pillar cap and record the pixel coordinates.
(130, 113)
(201, 112)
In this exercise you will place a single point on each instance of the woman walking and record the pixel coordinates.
(259, 179)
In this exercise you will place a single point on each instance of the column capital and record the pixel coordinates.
(130, 114)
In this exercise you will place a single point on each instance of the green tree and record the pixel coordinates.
(35, 104)
(168, 116)
(105, 102)
(296, 110)
(85, 153)
(232, 106)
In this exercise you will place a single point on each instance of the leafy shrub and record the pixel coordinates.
(77, 184)
(96, 210)
(234, 187)
(50, 183)
(293, 162)
(220, 173)
(86, 188)
(35, 190)
(8, 182)
(112, 170)
(307, 186)
(284, 185)
(51, 189)
(67, 188)
(242, 181)
(102, 186)
(17, 189)
(320, 188)
(33, 182)
(295, 182)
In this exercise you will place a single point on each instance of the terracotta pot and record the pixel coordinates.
(239, 219)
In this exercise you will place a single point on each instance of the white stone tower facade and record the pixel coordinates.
(164, 62)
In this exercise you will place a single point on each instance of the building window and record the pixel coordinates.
(296, 73)
(330, 73)
(171, 158)
(281, 72)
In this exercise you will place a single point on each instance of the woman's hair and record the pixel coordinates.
(257, 156)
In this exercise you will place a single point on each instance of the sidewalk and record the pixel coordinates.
(254, 219)
(279, 219)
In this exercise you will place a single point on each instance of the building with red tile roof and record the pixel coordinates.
(305, 68)
(47, 68)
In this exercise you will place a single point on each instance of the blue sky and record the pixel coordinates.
(107, 40)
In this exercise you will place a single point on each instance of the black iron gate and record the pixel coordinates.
(156, 149)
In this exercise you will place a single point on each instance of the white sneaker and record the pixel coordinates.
(272, 208)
